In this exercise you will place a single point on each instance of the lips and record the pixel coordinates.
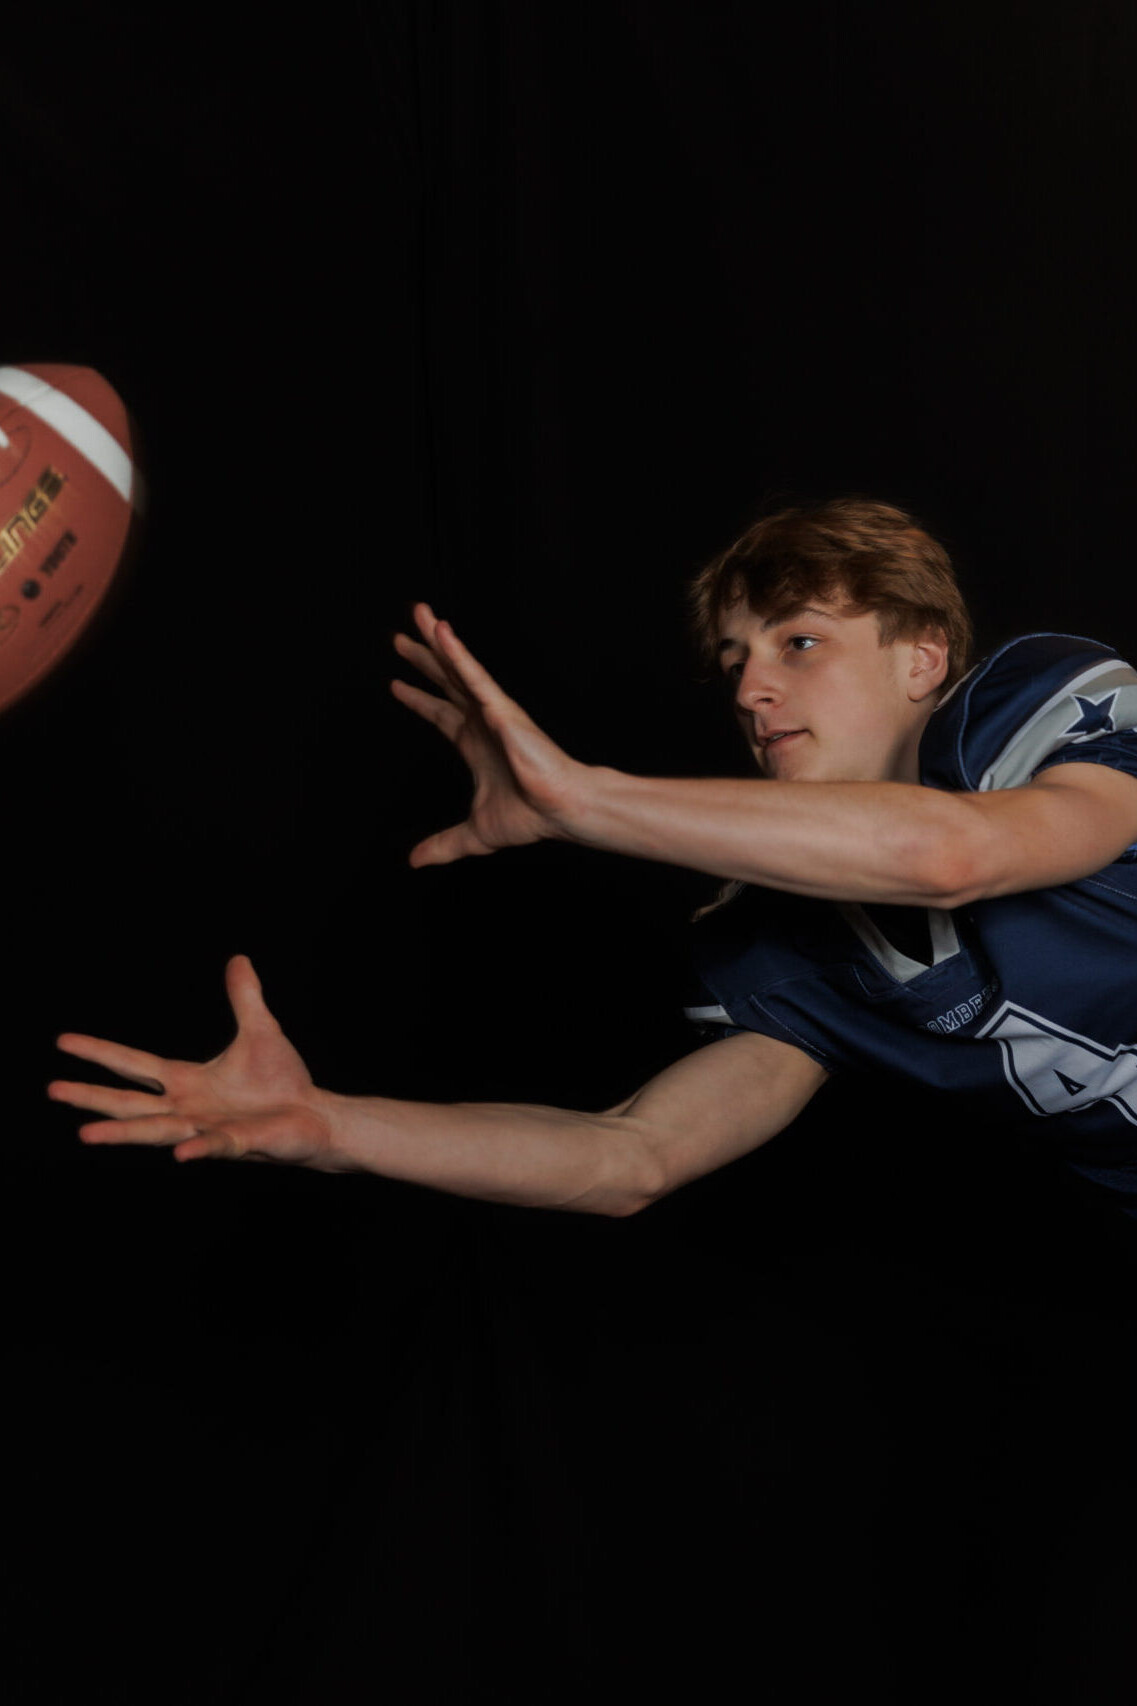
(776, 737)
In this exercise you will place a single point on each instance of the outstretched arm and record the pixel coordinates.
(854, 841)
(256, 1101)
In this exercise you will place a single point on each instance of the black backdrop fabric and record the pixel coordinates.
(526, 310)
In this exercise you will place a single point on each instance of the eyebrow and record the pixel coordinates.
(777, 621)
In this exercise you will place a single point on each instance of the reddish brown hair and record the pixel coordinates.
(874, 557)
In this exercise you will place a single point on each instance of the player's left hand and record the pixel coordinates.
(255, 1101)
(525, 787)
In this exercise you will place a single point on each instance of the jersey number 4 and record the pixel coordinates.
(1056, 1071)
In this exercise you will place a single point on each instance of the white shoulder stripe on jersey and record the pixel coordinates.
(1048, 730)
(79, 428)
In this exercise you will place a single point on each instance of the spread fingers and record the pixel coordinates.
(431, 666)
(143, 1068)
(160, 1129)
(440, 712)
(103, 1099)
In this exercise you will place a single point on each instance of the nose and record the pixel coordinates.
(757, 685)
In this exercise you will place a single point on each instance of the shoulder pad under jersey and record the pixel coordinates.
(1034, 697)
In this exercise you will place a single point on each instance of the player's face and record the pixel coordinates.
(820, 699)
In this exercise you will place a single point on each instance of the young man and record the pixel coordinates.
(945, 901)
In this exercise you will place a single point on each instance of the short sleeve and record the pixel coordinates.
(706, 1013)
(1117, 749)
(1040, 700)
(752, 969)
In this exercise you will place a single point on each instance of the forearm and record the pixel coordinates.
(505, 1152)
(855, 841)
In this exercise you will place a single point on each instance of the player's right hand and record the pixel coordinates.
(526, 788)
(255, 1101)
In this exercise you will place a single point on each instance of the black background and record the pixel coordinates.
(526, 311)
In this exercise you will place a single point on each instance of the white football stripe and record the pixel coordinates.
(80, 429)
(1034, 741)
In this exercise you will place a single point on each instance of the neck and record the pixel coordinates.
(906, 767)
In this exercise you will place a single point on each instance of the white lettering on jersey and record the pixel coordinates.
(963, 1014)
(1056, 1071)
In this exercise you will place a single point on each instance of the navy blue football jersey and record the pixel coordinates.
(1025, 1005)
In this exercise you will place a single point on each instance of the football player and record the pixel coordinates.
(945, 901)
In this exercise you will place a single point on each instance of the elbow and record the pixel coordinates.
(634, 1202)
(634, 1205)
(625, 1210)
(642, 1179)
(951, 888)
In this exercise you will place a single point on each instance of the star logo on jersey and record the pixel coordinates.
(1096, 717)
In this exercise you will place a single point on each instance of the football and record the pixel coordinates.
(70, 494)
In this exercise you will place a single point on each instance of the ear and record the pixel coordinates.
(929, 665)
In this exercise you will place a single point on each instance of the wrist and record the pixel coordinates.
(576, 819)
(333, 1152)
